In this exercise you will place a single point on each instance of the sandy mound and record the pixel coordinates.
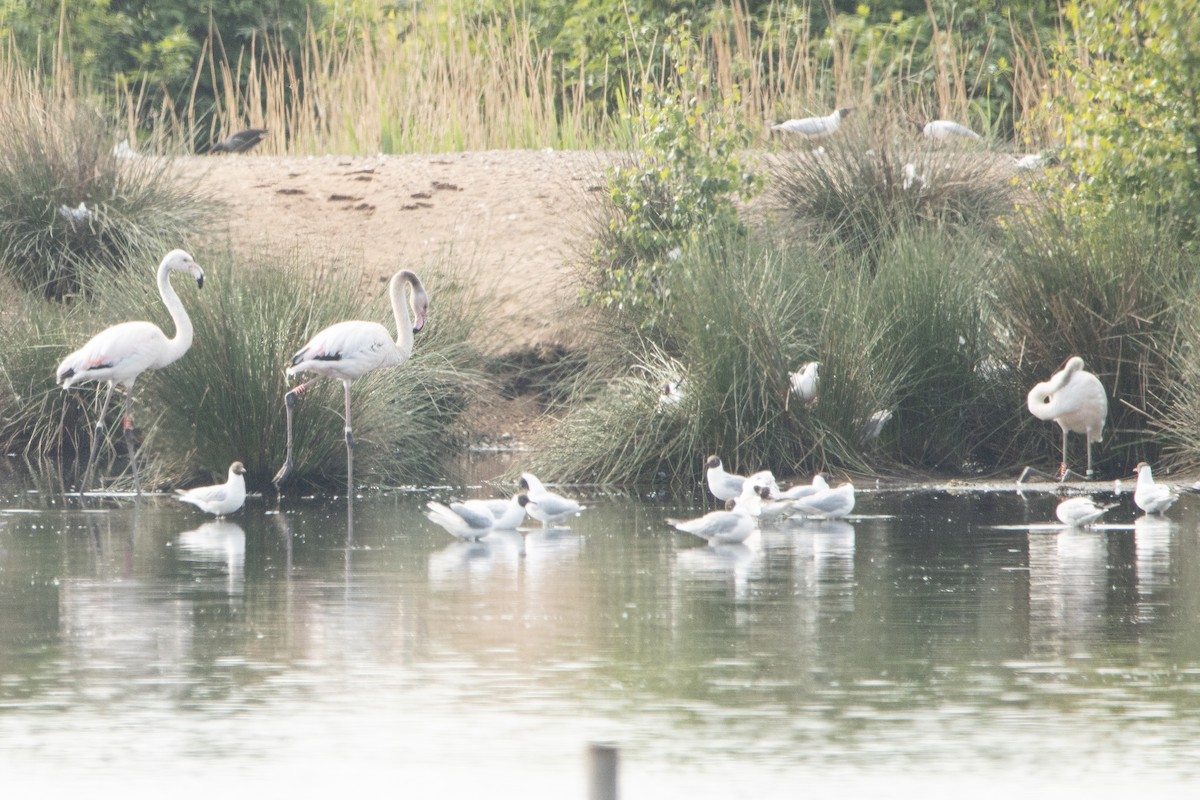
(515, 218)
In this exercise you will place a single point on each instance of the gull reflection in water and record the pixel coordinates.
(1067, 588)
(735, 565)
(476, 565)
(219, 543)
(1152, 535)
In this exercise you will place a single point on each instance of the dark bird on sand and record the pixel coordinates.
(241, 141)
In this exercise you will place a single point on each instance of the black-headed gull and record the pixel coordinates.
(832, 503)
(942, 129)
(221, 499)
(732, 526)
(1079, 512)
(726, 486)
(1151, 497)
(543, 505)
(814, 127)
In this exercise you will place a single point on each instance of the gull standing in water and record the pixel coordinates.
(1151, 497)
(1079, 512)
(543, 505)
(120, 354)
(221, 499)
(830, 503)
(732, 526)
(349, 350)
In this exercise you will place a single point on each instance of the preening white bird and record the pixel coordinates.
(731, 526)
(507, 514)
(544, 505)
(120, 354)
(221, 499)
(804, 381)
(814, 127)
(462, 520)
(832, 503)
(349, 350)
(1079, 512)
(726, 486)
(1151, 497)
(1075, 399)
(943, 129)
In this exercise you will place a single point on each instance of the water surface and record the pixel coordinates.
(146, 649)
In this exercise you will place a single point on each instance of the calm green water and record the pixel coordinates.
(146, 649)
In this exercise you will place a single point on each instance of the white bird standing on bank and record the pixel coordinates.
(814, 127)
(462, 520)
(804, 381)
(544, 505)
(732, 526)
(1075, 399)
(349, 350)
(118, 355)
(1151, 497)
(943, 129)
(1079, 512)
(833, 503)
(221, 499)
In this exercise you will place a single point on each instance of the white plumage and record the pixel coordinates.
(830, 503)
(348, 350)
(804, 489)
(804, 381)
(726, 486)
(546, 506)
(1075, 399)
(221, 499)
(731, 526)
(1151, 497)
(507, 514)
(942, 129)
(462, 520)
(120, 354)
(1078, 512)
(814, 127)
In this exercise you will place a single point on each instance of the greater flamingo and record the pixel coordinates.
(118, 355)
(221, 499)
(348, 350)
(1075, 399)
(814, 127)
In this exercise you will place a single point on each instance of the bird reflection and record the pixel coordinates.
(1152, 534)
(220, 543)
(1066, 589)
(728, 564)
(476, 565)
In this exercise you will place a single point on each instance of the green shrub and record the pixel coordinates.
(684, 178)
(1130, 121)
(72, 212)
(860, 194)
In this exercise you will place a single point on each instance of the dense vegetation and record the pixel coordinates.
(933, 281)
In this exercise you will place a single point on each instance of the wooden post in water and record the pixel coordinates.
(602, 771)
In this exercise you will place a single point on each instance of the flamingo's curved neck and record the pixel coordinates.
(404, 330)
(182, 340)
